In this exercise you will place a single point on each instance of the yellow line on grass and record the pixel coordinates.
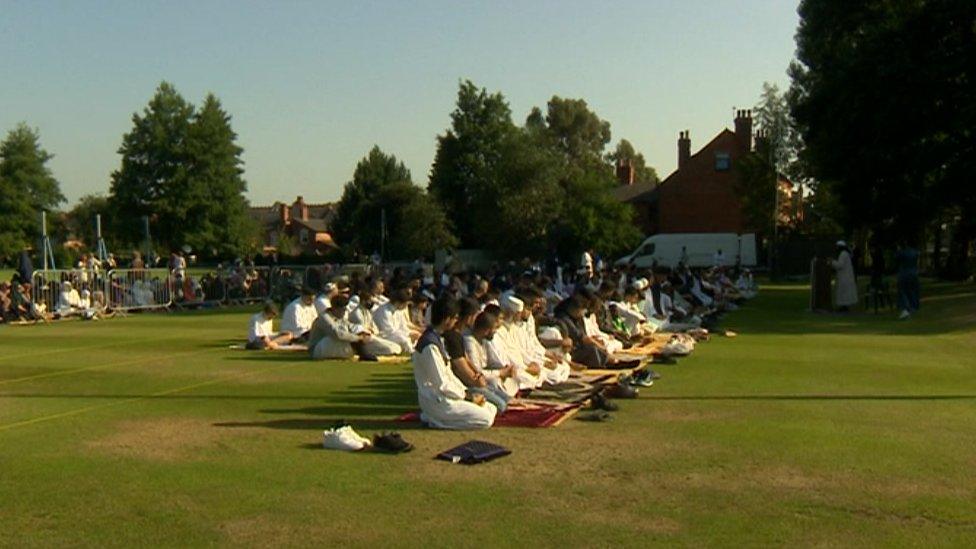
(135, 399)
(109, 365)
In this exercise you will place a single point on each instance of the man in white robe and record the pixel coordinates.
(362, 319)
(391, 320)
(299, 315)
(507, 340)
(845, 285)
(333, 336)
(323, 300)
(443, 398)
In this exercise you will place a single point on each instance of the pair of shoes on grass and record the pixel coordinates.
(643, 378)
(343, 437)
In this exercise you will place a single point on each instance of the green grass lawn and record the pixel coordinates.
(804, 430)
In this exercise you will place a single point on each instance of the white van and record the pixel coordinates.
(701, 249)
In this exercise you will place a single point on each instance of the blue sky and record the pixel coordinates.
(311, 86)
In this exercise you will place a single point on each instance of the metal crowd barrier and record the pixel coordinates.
(47, 287)
(139, 289)
(191, 290)
(248, 284)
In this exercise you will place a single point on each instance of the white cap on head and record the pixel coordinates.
(842, 244)
(512, 304)
(329, 286)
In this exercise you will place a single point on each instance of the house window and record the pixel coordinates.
(723, 161)
(303, 236)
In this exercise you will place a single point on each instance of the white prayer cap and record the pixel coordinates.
(512, 304)
(550, 333)
(842, 244)
(354, 301)
(329, 286)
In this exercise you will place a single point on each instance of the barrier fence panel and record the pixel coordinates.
(248, 284)
(69, 291)
(139, 289)
(191, 290)
(287, 281)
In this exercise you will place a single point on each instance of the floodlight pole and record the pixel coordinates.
(382, 235)
(46, 249)
(102, 249)
(148, 237)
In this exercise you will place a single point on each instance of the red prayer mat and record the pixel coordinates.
(525, 415)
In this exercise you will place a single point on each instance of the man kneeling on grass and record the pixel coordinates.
(444, 401)
(334, 336)
(260, 333)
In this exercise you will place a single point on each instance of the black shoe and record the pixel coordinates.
(367, 357)
(620, 390)
(600, 402)
(392, 443)
(596, 416)
(661, 359)
(651, 374)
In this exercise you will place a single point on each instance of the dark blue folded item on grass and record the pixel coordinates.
(474, 451)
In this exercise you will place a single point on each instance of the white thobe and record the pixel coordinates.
(441, 395)
(298, 318)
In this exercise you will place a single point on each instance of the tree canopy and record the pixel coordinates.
(882, 95)
(382, 186)
(27, 187)
(182, 169)
(525, 191)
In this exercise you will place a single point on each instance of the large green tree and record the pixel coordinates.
(525, 191)
(882, 94)
(464, 176)
(26, 188)
(382, 188)
(153, 179)
(182, 169)
(217, 216)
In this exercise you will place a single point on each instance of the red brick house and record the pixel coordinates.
(307, 224)
(699, 196)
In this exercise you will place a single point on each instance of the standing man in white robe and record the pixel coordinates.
(845, 286)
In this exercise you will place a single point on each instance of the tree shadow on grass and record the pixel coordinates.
(322, 423)
(374, 404)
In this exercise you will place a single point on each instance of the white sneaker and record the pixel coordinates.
(366, 442)
(904, 314)
(343, 438)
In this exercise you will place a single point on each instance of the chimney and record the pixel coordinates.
(299, 209)
(285, 217)
(762, 144)
(625, 172)
(743, 128)
(684, 148)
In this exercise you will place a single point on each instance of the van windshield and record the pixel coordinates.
(648, 249)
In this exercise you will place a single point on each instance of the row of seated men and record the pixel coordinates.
(473, 353)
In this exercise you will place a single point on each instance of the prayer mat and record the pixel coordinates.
(288, 348)
(533, 415)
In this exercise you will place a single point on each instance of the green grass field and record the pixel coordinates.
(804, 430)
